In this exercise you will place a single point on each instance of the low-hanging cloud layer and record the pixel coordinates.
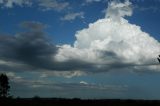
(111, 43)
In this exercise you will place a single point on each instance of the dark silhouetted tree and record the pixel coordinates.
(4, 85)
(159, 58)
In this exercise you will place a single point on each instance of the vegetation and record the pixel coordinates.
(4, 86)
(76, 102)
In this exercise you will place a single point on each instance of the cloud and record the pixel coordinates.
(63, 89)
(53, 5)
(90, 1)
(14, 77)
(21, 85)
(65, 74)
(83, 82)
(87, 2)
(117, 10)
(31, 48)
(148, 8)
(11, 3)
(1, 1)
(44, 5)
(80, 86)
(73, 16)
(34, 26)
(113, 43)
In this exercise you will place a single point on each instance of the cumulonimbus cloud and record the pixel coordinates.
(107, 44)
(112, 41)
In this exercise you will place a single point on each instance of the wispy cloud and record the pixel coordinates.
(150, 8)
(73, 16)
(33, 26)
(12, 3)
(64, 89)
(65, 74)
(90, 1)
(87, 2)
(44, 5)
(83, 82)
(52, 5)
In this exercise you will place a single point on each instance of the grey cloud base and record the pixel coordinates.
(32, 50)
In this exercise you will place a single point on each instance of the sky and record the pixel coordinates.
(89, 49)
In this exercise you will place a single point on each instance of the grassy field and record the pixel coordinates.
(76, 102)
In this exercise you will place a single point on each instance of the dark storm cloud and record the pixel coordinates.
(29, 47)
(32, 50)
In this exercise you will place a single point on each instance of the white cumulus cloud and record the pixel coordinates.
(112, 40)
(117, 10)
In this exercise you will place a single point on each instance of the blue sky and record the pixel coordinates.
(84, 48)
(12, 17)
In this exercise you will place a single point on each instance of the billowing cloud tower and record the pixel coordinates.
(112, 41)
